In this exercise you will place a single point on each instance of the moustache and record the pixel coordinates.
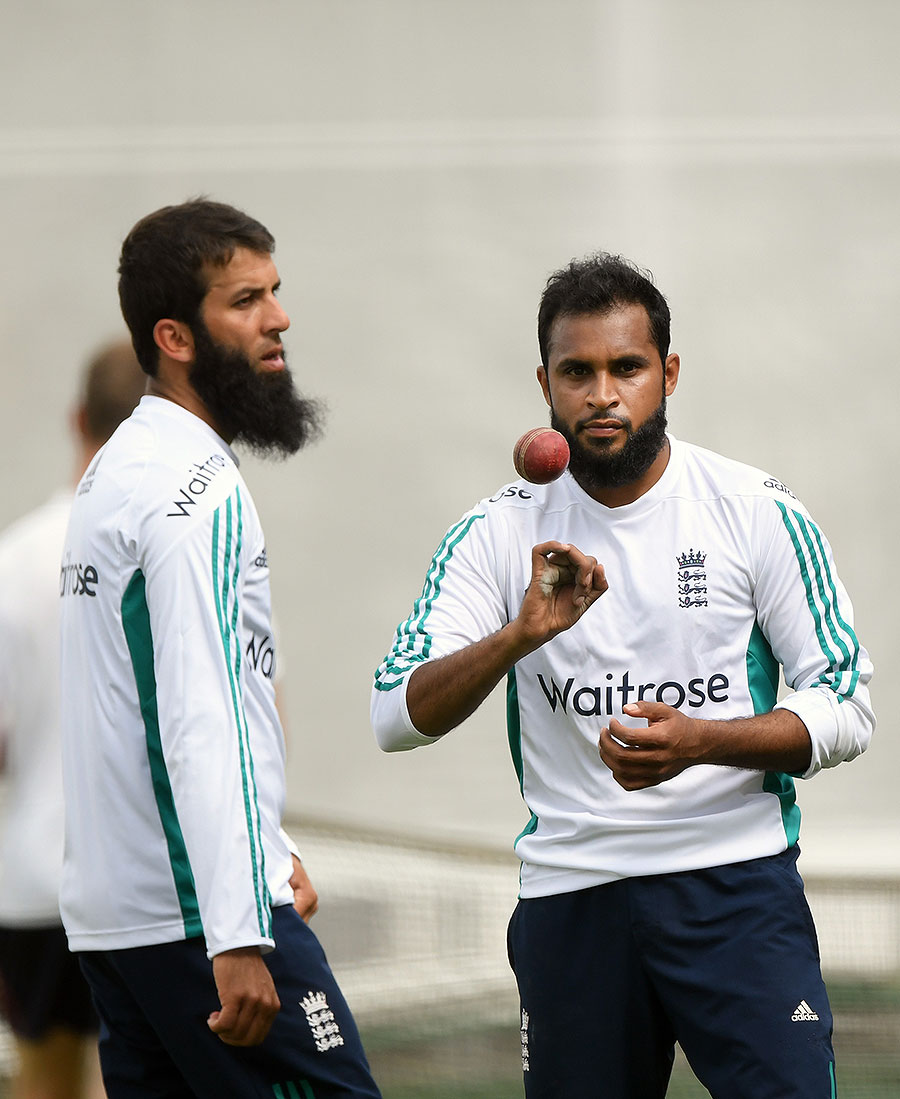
(607, 421)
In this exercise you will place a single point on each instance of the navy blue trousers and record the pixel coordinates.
(154, 1001)
(724, 961)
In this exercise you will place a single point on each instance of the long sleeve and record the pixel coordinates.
(461, 602)
(806, 615)
(194, 595)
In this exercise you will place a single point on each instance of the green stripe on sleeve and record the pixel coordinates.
(250, 788)
(807, 583)
(820, 567)
(225, 584)
(138, 637)
(836, 638)
(412, 641)
(849, 632)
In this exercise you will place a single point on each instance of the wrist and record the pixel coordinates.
(238, 952)
(704, 740)
(518, 642)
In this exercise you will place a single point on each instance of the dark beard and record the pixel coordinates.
(263, 411)
(596, 470)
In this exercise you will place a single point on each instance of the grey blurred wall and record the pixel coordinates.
(424, 166)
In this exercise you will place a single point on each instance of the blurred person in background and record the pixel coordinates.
(43, 995)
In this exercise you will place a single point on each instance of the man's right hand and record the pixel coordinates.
(564, 584)
(249, 1002)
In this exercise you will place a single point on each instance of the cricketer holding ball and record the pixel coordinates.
(639, 609)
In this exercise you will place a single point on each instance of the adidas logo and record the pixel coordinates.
(803, 1013)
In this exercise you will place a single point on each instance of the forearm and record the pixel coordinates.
(442, 693)
(776, 741)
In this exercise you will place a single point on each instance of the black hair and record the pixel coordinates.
(164, 261)
(600, 283)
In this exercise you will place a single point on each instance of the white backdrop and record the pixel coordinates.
(424, 165)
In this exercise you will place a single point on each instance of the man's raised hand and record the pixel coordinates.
(564, 583)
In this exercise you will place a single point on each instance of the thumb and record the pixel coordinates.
(221, 1020)
(652, 711)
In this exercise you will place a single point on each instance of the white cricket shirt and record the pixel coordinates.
(717, 576)
(173, 754)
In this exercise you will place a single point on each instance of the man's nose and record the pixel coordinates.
(603, 392)
(276, 320)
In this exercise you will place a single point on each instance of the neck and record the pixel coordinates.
(176, 388)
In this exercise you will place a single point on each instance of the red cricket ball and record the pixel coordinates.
(541, 455)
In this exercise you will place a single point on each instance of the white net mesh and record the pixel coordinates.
(416, 934)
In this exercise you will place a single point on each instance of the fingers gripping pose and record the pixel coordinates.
(564, 584)
(672, 741)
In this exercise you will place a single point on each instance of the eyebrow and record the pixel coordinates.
(628, 357)
(243, 289)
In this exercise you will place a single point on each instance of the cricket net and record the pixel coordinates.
(416, 934)
(415, 931)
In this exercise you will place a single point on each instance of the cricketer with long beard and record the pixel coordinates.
(186, 901)
(639, 609)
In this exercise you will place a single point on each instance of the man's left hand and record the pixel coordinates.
(306, 899)
(670, 743)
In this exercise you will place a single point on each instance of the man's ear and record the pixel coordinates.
(545, 383)
(174, 339)
(670, 373)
